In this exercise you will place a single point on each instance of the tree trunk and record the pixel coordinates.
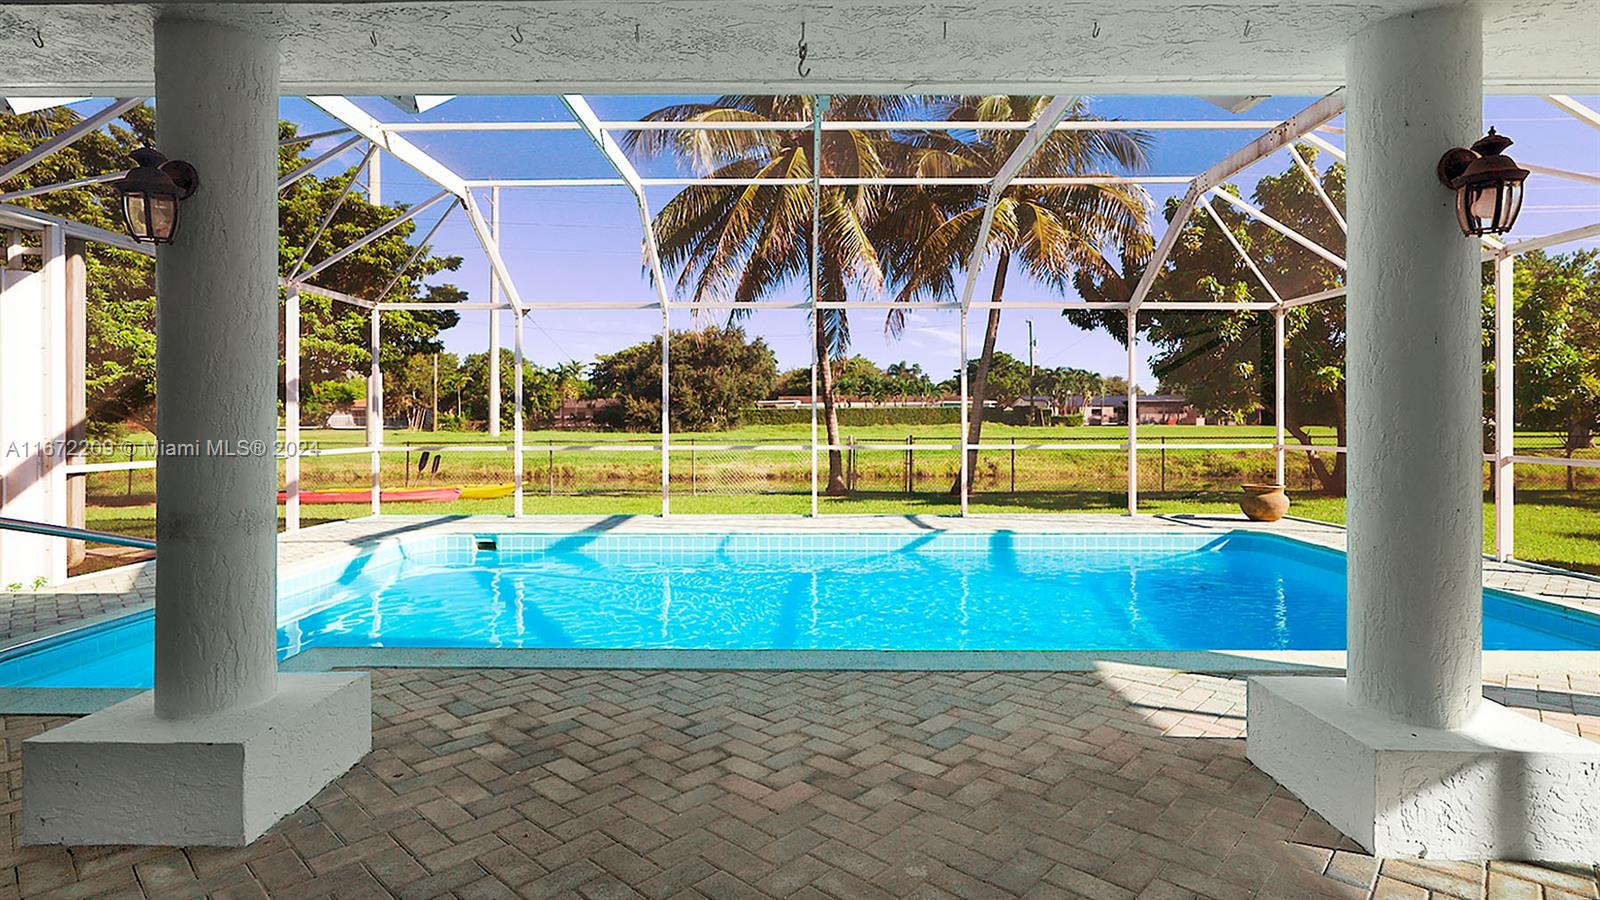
(979, 384)
(1331, 478)
(1580, 434)
(836, 486)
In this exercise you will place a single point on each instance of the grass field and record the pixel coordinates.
(1554, 525)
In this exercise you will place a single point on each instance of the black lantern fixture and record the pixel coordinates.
(151, 193)
(1488, 185)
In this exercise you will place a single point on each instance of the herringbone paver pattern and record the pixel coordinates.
(1124, 782)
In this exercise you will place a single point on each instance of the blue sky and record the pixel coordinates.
(583, 243)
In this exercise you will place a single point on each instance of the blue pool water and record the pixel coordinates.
(1001, 591)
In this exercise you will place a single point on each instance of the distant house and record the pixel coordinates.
(580, 414)
(1154, 409)
(355, 419)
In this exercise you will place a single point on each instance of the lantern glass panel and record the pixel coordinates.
(1483, 200)
(134, 211)
(1511, 207)
(163, 218)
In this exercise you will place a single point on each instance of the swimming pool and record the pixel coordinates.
(935, 591)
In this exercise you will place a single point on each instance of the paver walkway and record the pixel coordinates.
(1122, 782)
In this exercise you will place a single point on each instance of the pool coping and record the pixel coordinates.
(336, 542)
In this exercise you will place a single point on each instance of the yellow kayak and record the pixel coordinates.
(487, 491)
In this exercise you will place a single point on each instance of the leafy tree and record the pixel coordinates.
(325, 398)
(544, 390)
(791, 383)
(334, 339)
(1007, 380)
(858, 376)
(1556, 320)
(907, 380)
(1115, 386)
(475, 387)
(747, 243)
(716, 373)
(1062, 384)
(1223, 362)
(120, 336)
(1052, 233)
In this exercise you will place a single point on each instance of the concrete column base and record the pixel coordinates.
(124, 776)
(1502, 787)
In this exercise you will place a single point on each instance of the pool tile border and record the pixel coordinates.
(306, 558)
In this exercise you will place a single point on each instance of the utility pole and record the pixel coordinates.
(1033, 397)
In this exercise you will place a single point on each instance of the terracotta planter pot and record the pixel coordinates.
(1264, 502)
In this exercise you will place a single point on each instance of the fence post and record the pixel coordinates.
(911, 466)
(694, 475)
(550, 466)
(1013, 464)
(852, 468)
(1163, 464)
(129, 489)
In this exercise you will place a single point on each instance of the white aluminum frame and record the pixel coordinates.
(1310, 125)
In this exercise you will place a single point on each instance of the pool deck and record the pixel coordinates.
(1118, 781)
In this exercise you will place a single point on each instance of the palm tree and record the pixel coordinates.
(746, 243)
(1050, 232)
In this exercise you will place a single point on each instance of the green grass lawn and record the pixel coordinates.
(1554, 526)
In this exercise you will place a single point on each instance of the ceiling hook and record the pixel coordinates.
(801, 67)
(516, 34)
(1095, 31)
(1246, 27)
(373, 36)
(636, 32)
(38, 39)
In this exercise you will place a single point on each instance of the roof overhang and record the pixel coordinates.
(1184, 47)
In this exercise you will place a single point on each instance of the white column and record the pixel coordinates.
(216, 363)
(375, 411)
(1505, 412)
(1414, 355)
(291, 409)
(224, 746)
(494, 319)
(1404, 755)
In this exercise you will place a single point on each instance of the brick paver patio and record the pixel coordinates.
(1122, 782)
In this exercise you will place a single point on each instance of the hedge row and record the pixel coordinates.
(857, 416)
(908, 415)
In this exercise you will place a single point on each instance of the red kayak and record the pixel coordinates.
(404, 495)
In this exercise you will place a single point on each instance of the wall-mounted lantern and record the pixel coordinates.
(151, 193)
(1487, 183)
